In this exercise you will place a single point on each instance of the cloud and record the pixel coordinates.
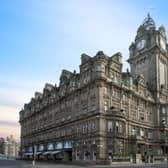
(23, 82)
(9, 117)
(14, 97)
(9, 123)
(15, 91)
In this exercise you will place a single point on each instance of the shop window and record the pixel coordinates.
(67, 144)
(30, 149)
(50, 146)
(59, 145)
(41, 147)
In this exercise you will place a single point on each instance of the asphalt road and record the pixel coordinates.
(28, 164)
(14, 164)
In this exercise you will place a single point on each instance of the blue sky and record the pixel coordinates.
(39, 38)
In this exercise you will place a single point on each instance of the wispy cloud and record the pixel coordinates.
(9, 123)
(15, 91)
(14, 97)
(24, 82)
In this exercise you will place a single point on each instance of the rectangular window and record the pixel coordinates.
(67, 144)
(58, 133)
(163, 120)
(77, 155)
(106, 103)
(120, 128)
(109, 142)
(133, 131)
(59, 145)
(94, 155)
(30, 149)
(41, 147)
(100, 68)
(110, 154)
(105, 91)
(142, 133)
(150, 136)
(109, 126)
(50, 146)
(117, 127)
(163, 110)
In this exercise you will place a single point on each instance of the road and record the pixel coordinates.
(28, 164)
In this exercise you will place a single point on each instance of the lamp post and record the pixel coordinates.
(164, 139)
(34, 156)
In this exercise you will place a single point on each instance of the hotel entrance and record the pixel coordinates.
(67, 151)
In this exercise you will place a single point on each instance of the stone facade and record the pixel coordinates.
(102, 114)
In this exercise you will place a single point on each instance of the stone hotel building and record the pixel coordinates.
(101, 113)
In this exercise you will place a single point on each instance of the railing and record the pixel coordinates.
(116, 112)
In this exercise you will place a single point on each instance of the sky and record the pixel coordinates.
(39, 38)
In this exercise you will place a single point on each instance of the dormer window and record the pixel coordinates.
(163, 44)
(100, 68)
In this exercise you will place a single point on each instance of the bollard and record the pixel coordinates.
(33, 164)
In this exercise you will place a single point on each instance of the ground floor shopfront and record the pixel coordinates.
(99, 151)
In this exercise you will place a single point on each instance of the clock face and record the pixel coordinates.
(162, 43)
(141, 44)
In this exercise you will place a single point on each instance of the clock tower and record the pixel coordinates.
(149, 56)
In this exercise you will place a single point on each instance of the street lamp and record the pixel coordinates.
(163, 138)
(34, 156)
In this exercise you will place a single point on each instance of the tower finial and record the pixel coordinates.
(148, 22)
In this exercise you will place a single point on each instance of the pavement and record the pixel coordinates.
(28, 164)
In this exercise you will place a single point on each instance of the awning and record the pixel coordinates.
(28, 154)
(55, 152)
(38, 153)
(46, 153)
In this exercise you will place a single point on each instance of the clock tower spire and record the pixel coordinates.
(148, 56)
